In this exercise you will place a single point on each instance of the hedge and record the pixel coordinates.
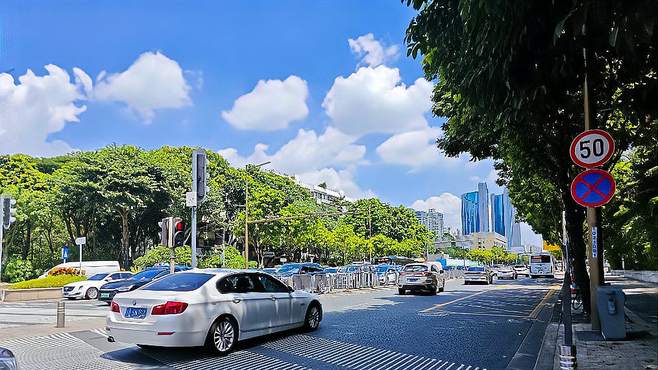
(48, 282)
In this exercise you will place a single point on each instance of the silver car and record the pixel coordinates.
(421, 277)
(479, 274)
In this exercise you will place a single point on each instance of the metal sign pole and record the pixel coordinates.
(1, 236)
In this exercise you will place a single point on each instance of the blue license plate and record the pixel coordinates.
(413, 279)
(135, 313)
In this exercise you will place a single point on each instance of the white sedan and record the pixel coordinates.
(213, 308)
(88, 289)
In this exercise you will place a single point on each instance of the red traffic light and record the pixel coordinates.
(179, 226)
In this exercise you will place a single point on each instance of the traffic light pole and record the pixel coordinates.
(193, 237)
(2, 229)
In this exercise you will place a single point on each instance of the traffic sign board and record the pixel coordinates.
(592, 148)
(81, 240)
(65, 252)
(593, 188)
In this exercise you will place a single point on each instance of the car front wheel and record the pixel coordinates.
(92, 293)
(223, 336)
(313, 315)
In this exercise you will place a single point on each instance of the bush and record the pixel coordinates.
(48, 282)
(18, 269)
(233, 259)
(64, 271)
(160, 254)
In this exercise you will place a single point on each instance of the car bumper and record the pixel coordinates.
(475, 278)
(73, 294)
(168, 333)
(416, 284)
(506, 275)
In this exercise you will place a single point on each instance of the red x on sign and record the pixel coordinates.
(593, 188)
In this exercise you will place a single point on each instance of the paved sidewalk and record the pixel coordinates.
(640, 348)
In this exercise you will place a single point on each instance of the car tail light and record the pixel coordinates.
(402, 274)
(427, 274)
(169, 308)
(114, 307)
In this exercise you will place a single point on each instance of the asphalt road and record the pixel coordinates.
(465, 327)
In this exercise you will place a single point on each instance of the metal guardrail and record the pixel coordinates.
(326, 283)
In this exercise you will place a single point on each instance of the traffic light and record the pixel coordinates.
(8, 211)
(179, 232)
(200, 175)
(164, 231)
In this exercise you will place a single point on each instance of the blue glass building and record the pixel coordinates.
(498, 224)
(470, 213)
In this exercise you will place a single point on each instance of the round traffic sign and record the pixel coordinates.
(592, 148)
(593, 188)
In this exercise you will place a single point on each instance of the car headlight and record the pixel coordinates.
(124, 288)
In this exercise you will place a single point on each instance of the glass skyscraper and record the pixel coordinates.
(498, 224)
(470, 213)
(483, 207)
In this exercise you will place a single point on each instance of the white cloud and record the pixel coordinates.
(375, 100)
(152, 82)
(416, 149)
(305, 152)
(39, 106)
(270, 106)
(448, 204)
(371, 51)
(341, 180)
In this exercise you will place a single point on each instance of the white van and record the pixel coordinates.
(89, 268)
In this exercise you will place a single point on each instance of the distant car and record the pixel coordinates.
(109, 290)
(88, 289)
(211, 307)
(89, 268)
(506, 272)
(421, 276)
(7, 360)
(479, 274)
(331, 270)
(387, 274)
(301, 268)
(522, 270)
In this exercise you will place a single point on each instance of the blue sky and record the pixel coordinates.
(338, 100)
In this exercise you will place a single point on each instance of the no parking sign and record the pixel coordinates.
(592, 187)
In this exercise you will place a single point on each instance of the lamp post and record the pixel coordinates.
(246, 213)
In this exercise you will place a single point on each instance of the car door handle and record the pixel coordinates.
(236, 300)
(273, 298)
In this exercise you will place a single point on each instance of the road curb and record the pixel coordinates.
(546, 355)
(531, 347)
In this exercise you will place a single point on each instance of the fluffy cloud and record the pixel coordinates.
(448, 204)
(270, 106)
(152, 82)
(341, 180)
(306, 152)
(375, 100)
(371, 51)
(416, 149)
(39, 106)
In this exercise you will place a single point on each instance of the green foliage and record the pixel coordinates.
(491, 256)
(233, 259)
(162, 254)
(17, 269)
(48, 282)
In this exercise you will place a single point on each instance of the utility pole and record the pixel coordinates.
(595, 250)
(198, 194)
(246, 212)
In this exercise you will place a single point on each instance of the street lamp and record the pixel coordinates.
(246, 212)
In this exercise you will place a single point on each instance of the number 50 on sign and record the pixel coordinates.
(592, 148)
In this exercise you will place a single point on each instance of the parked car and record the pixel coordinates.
(212, 307)
(269, 270)
(522, 270)
(479, 274)
(387, 274)
(506, 272)
(331, 270)
(89, 268)
(88, 289)
(289, 269)
(107, 291)
(421, 276)
(7, 360)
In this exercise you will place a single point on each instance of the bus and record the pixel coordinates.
(542, 265)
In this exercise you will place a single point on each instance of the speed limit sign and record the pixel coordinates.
(592, 148)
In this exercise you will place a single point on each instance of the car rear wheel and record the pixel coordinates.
(313, 316)
(443, 286)
(435, 289)
(92, 293)
(223, 336)
(401, 291)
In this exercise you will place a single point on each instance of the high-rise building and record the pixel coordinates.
(433, 220)
(470, 213)
(483, 206)
(498, 214)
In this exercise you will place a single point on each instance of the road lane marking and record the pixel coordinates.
(451, 302)
(533, 315)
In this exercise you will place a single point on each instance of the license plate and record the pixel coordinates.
(105, 295)
(135, 313)
(413, 279)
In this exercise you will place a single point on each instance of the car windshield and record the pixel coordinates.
(382, 268)
(476, 268)
(98, 277)
(293, 267)
(146, 274)
(179, 282)
(415, 268)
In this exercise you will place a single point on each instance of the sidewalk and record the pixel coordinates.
(640, 348)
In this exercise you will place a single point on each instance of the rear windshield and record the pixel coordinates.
(540, 259)
(475, 268)
(179, 282)
(146, 274)
(415, 268)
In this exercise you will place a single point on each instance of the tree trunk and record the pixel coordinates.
(575, 219)
(125, 236)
